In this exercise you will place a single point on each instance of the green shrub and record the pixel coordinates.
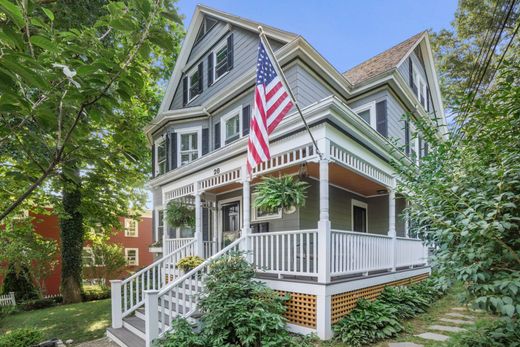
(240, 311)
(408, 302)
(499, 333)
(182, 335)
(29, 305)
(431, 289)
(21, 283)
(367, 323)
(91, 293)
(23, 337)
(189, 263)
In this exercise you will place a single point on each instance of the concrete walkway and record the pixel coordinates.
(102, 342)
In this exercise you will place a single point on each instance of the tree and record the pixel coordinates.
(465, 197)
(458, 49)
(105, 261)
(72, 118)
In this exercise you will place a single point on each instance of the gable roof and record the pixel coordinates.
(384, 61)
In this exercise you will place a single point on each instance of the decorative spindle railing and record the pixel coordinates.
(171, 245)
(410, 252)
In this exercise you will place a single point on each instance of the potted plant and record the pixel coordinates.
(156, 247)
(189, 263)
(179, 214)
(284, 192)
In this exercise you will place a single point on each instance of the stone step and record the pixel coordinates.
(459, 315)
(404, 344)
(433, 336)
(456, 321)
(446, 328)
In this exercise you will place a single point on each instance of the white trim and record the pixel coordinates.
(254, 210)
(223, 121)
(136, 256)
(127, 226)
(185, 131)
(214, 53)
(188, 75)
(371, 106)
(354, 202)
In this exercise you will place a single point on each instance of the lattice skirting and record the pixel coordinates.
(343, 303)
(301, 309)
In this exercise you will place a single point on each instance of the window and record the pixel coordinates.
(259, 215)
(194, 84)
(131, 228)
(160, 224)
(367, 113)
(206, 25)
(420, 87)
(132, 256)
(232, 126)
(359, 216)
(189, 144)
(161, 153)
(220, 57)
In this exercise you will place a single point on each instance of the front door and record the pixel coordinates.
(230, 222)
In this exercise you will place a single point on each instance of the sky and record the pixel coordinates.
(345, 32)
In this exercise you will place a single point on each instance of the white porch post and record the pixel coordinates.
(391, 223)
(324, 232)
(246, 198)
(151, 308)
(117, 311)
(198, 226)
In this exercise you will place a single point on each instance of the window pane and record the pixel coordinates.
(232, 127)
(221, 62)
(194, 155)
(365, 115)
(194, 85)
(161, 151)
(185, 142)
(194, 140)
(185, 158)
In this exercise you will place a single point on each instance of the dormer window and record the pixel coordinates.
(220, 57)
(206, 25)
(190, 144)
(367, 113)
(194, 83)
(420, 87)
(232, 126)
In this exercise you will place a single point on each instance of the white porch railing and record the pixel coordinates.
(152, 277)
(210, 248)
(8, 299)
(286, 252)
(354, 252)
(410, 252)
(171, 245)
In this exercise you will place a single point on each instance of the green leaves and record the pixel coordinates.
(274, 193)
(12, 11)
(44, 43)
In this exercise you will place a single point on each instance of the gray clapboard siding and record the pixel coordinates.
(400, 204)
(207, 41)
(377, 215)
(156, 197)
(306, 88)
(404, 69)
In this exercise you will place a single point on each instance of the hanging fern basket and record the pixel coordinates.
(284, 192)
(179, 214)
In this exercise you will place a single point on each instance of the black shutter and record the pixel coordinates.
(205, 141)
(426, 149)
(230, 52)
(381, 118)
(184, 91)
(201, 78)
(173, 154)
(153, 160)
(216, 136)
(407, 137)
(210, 69)
(427, 99)
(246, 117)
(420, 154)
(410, 69)
(168, 150)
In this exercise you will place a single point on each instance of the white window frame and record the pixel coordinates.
(354, 202)
(224, 120)
(218, 48)
(128, 221)
(157, 143)
(136, 256)
(254, 209)
(371, 106)
(420, 82)
(192, 130)
(189, 74)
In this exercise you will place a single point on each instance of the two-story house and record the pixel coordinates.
(351, 237)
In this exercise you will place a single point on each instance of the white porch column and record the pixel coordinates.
(246, 199)
(151, 309)
(406, 221)
(117, 311)
(198, 226)
(391, 223)
(324, 232)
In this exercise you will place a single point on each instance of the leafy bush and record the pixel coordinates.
(431, 288)
(189, 263)
(408, 302)
(240, 311)
(37, 304)
(182, 335)
(499, 333)
(21, 283)
(22, 337)
(91, 293)
(179, 214)
(280, 192)
(367, 323)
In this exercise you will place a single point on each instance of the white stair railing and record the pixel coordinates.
(128, 295)
(170, 245)
(180, 297)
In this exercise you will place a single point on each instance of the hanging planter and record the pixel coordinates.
(179, 214)
(284, 192)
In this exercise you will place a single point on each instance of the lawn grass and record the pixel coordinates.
(420, 323)
(79, 322)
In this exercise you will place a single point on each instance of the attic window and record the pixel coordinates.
(207, 24)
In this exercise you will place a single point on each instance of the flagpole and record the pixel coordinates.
(263, 38)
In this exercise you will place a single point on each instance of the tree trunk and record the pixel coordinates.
(71, 238)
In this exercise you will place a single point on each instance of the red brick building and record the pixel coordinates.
(135, 239)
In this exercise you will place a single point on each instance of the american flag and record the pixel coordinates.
(271, 104)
